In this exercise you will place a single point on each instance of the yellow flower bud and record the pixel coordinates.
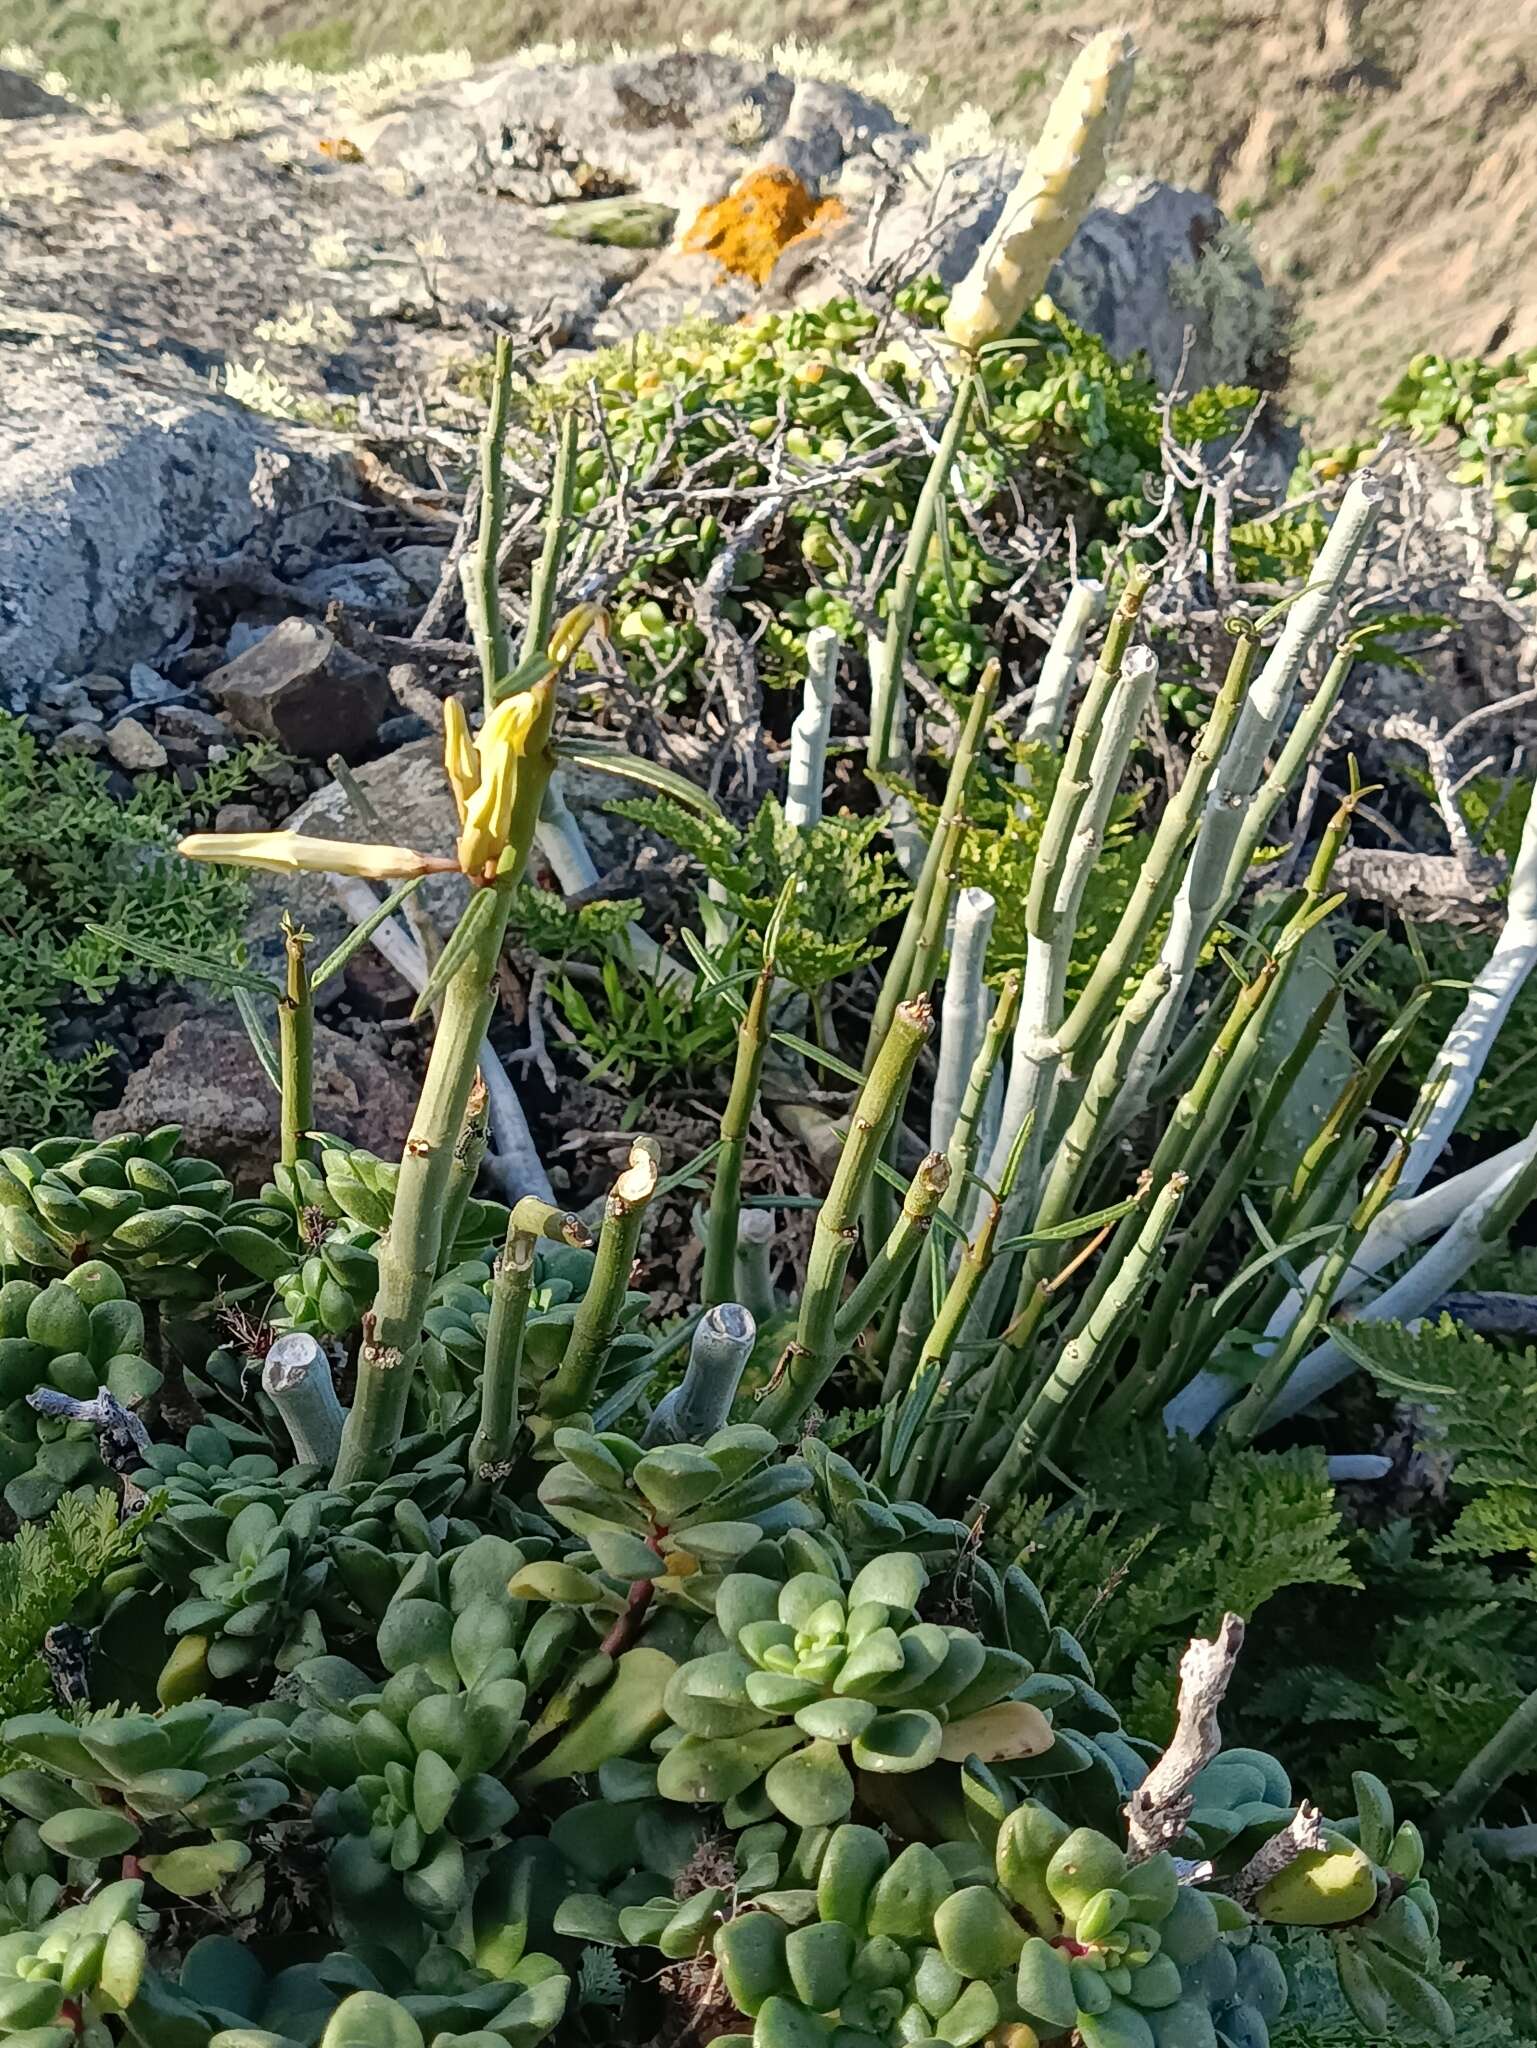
(1060, 178)
(289, 852)
(514, 767)
(571, 631)
(459, 763)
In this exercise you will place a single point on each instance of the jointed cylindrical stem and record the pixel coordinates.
(808, 735)
(1505, 1752)
(963, 1014)
(916, 952)
(892, 1262)
(408, 1253)
(809, 1360)
(480, 570)
(1083, 605)
(542, 585)
(720, 1275)
(904, 590)
(755, 1234)
(512, 1284)
(701, 1403)
(1086, 1352)
(296, 1045)
(469, 1153)
(296, 1377)
(569, 1389)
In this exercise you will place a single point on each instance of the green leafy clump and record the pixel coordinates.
(73, 856)
(52, 1570)
(825, 383)
(1166, 1537)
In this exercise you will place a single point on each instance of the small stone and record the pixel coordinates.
(375, 586)
(67, 700)
(402, 729)
(239, 818)
(102, 689)
(186, 722)
(301, 690)
(134, 746)
(243, 635)
(422, 567)
(83, 738)
(147, 685)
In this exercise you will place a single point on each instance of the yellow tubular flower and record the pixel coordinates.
(1060, 178)
(571, 631)
(288, 852)
(459, 762)
(515, 762)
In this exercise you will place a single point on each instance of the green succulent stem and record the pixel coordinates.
(719, 1282)
(557, 528)
(1502, 1755)
(296, 1045)
(569, 1389)
(1247, 1416)
(469, 1153)
(812, 1353)
(1087, 1354)
(891, 1264)
(409, 1250)
(883, 747)
(1160, 871)
(482, 566)
(511, 1286)
(920, 943)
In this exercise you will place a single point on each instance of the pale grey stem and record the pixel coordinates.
(964, 1011)
(699, 1405)
(297, 1376)
(1360, 1468)
(808, 735)
(906, 839)
(1455, 1070)
(1239, 781)
(755, 1234)
(515, 1163)
(1157, 1812)
(1139, 673)
(561, 843)
(1059, 671)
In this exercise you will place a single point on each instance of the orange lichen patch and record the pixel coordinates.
(749, 230)
(340, 149)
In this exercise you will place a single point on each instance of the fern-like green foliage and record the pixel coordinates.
(1480, 1406)
(71, 856)
(46, 1574)
(1165, 1538)
(846, 888)
(1408, 1678)
(1317, 2016)
(1486, 1916)
(641, 1031)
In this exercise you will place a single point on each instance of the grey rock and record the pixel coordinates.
(675, 287)
(147, 685)
(300, 689)
(134, 746)
(186, 722)
(243, 635)
(23, 99)
(80, 739)
(111, 484)
(101, 689)
(206, 1078)
(680, 126)
(422, 567)
(238, 818)
(375, 586)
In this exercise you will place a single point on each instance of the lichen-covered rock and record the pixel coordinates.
(765, 213)
(115, 484)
